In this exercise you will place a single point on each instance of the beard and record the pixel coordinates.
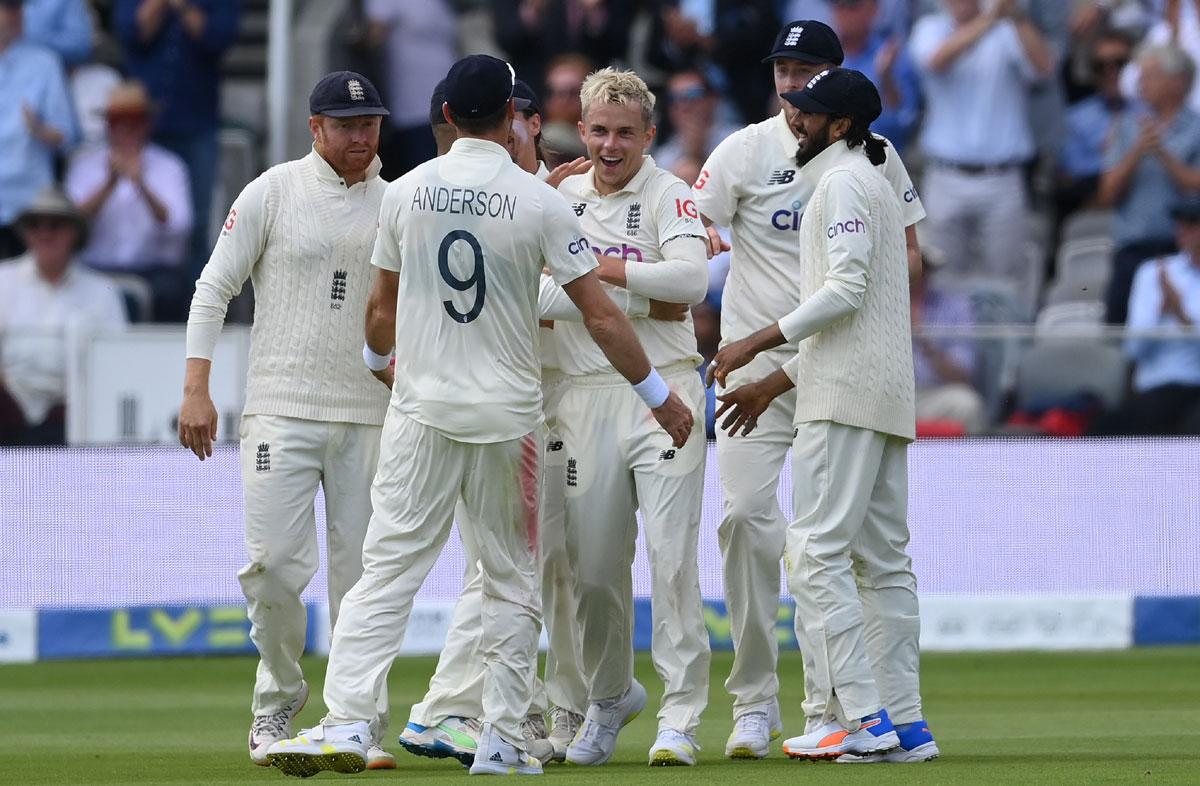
(812, 146)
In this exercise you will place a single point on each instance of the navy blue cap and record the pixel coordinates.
(345, 94)
(1186, 209)
(808, 41)
(479, 86)
(838, 91)
(526, 97)
(436, 118)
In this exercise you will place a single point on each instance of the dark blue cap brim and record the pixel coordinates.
(806, 103)
(357, 111)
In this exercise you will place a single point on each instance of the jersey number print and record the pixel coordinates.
(477, 279)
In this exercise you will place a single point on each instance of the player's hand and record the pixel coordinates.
(563, 171)
(198, 424)
(730, 358)
(668, 312)
(744, 406)
(675, 418)
(714, 242)
(386, 376)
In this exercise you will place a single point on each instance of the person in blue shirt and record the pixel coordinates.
(174, 47)
(1090, 124)
(36, 121)
(883, 59)
(62, 25)
(1166, 375)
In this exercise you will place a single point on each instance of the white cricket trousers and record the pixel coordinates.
(619, 461)
(422, 474)
(284, 460)
(456, 688)
(850, 505)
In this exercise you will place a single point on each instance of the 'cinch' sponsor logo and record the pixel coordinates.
(846, 228)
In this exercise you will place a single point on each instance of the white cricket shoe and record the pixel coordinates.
(753, 731)
(498, 756)
(875, 734)
(533, 729)
(379, 759)
(341, 748)
(673, 748)
(916, 745)
(274, 726)
(455, 738)
(597, 737)
(564, 725)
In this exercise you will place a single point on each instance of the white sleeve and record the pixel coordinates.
(682, 277)
(896, 173)
(847, 213)
(792, 369)
(386, 254)
(715, 190)
(555, 304)
(928, 35)
(238, 249)
(565, 251)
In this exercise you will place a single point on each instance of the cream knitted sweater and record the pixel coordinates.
(305, 241)
(854, 364)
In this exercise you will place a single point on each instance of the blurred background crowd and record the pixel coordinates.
(1055, 145)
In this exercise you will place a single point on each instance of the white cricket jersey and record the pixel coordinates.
(634, 223)
(469, 234)
(750, 183)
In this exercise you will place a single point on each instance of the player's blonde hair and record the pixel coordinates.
(611, 86)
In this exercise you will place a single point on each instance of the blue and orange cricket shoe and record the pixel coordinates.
(875, 734)
(916, 745)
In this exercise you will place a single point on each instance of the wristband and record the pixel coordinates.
(374, 361)
(652, 389)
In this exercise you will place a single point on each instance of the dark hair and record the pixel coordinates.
(478, 126)
(860, 134)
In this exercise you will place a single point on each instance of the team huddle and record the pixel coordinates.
(532, 334)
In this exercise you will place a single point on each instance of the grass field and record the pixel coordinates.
(1095, 718)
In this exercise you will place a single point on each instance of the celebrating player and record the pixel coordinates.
(644, 224)
(465, 415)
(753, 184)
(303, 231)
(854, 417)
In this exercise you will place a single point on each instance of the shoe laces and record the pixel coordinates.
(273, 724)
(753, 723)
(534, 727)
(565, 721)
(673, 737)
(472, 725)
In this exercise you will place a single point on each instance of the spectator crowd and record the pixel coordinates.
(1056, 145)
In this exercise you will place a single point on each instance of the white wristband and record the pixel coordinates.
(652, 389)
(375, 362)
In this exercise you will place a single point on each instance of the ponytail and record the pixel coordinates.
(860, 134)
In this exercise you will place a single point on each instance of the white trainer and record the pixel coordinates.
(673, 748)
(498, 756)
(341, 748)
(753, 731)
(455, 738)
(597, 737)
(564, 725)
(875, 734)
(274, 726)
(379, 759)
(533, 729)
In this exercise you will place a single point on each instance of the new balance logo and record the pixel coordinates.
(579, 207)
(356, 90)
(572, 473)
(496, 757)
(555, 446)
(633, 219)
(793, 35)
(338, 291)
(262, 459)
(666, 455)
(781, 176)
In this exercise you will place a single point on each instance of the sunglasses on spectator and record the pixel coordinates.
(694, 93)
(1109, 64)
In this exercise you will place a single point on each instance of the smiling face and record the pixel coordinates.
(616, 137)
(793, 75)
(349, 144)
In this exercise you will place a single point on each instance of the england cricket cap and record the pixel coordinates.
(808, 41)
(345, 94)
(838, 91)
(479, 86)
(526, 97)
(436, 118)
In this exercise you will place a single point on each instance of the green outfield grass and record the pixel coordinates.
(1094, 718)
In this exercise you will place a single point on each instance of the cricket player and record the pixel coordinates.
(462, 243)
(752, 184)
(303, 232)
(854, 417)
(643, 223)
